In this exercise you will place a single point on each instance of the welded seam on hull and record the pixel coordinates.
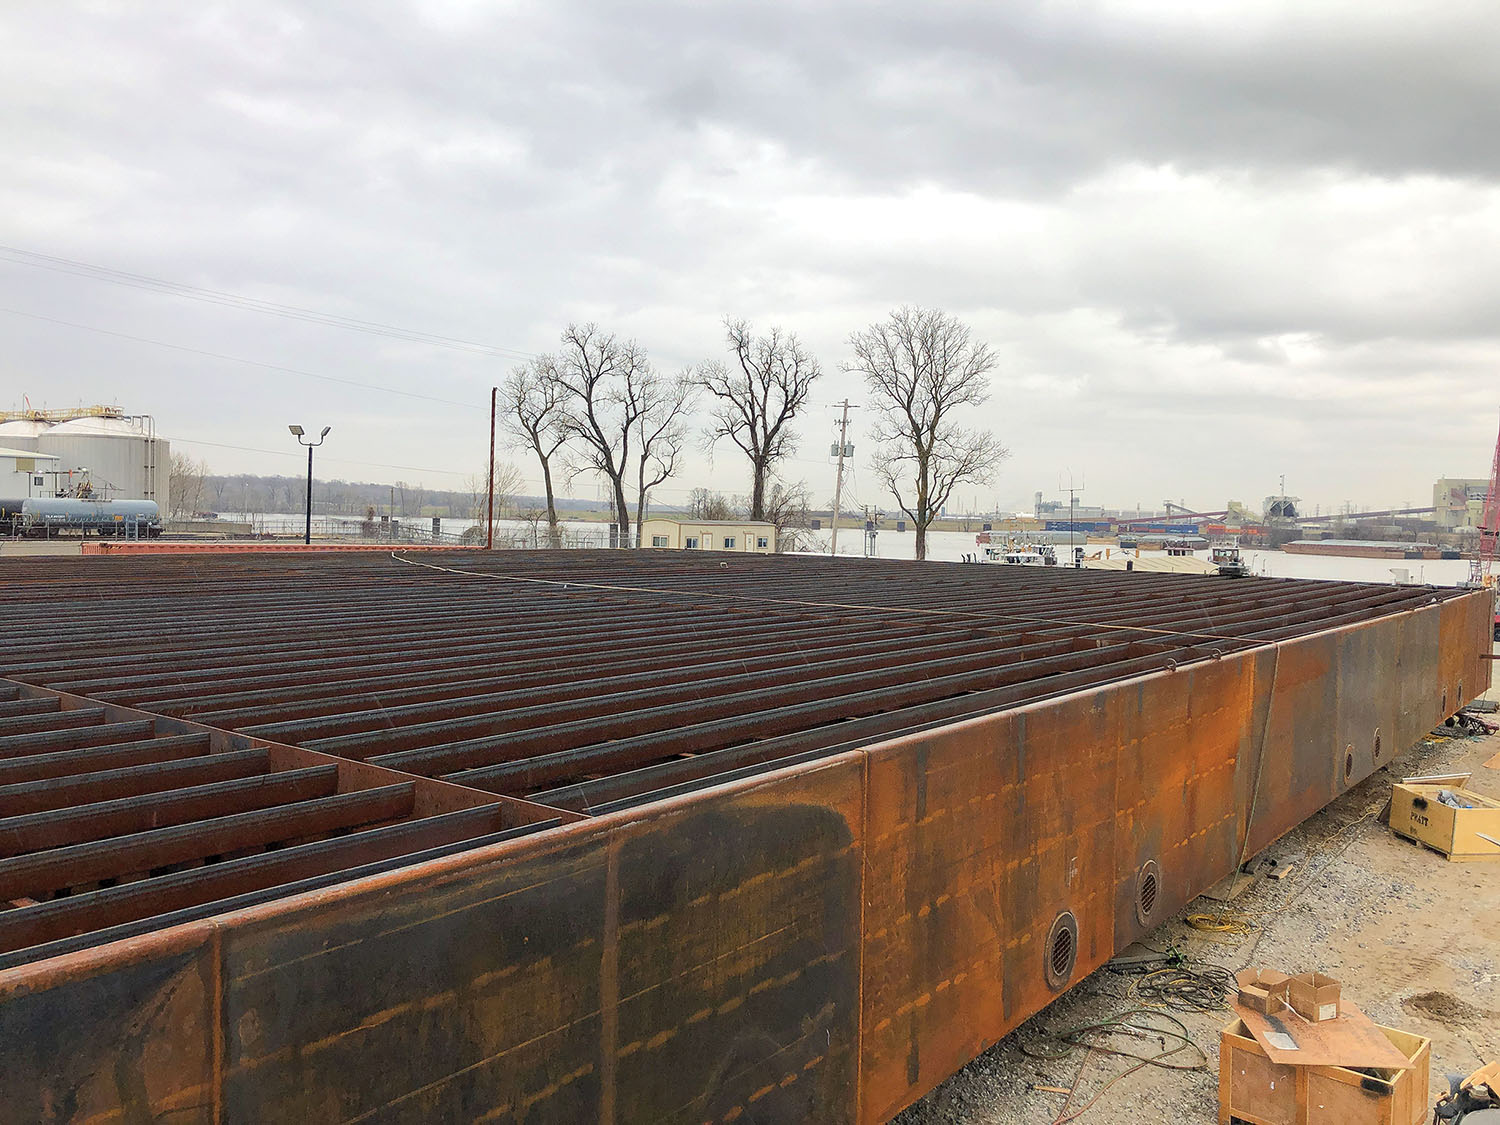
(1260, 758)
(218, 1015)
(859, 988)
(609, 983)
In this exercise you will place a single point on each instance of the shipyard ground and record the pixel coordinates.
(1412, 936)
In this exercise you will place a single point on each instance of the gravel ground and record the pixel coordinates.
(1412, 937)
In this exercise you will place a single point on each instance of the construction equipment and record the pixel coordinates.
(1482, 573)
(1482, 565)
(1474, 1100)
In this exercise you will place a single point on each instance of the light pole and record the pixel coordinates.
(302, 439)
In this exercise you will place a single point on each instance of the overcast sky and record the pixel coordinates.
(1211, 243)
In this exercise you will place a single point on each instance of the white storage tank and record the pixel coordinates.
(124, 457)
(22, 433)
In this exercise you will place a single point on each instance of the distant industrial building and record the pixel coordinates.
(1282, 509)
(710, 535)
(119, 453)
(1061, 509)
(1458, 501)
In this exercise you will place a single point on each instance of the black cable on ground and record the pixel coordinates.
(1181, 989)
(1112, 1036)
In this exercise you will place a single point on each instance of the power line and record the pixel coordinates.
(307, 374)
(287, 371)
(336, 460)
(680, 489)
(376, 464)
(237, 359)
(96, 272)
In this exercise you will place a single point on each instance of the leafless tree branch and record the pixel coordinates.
(757, 398)
(665, 406)
(532, 407)
(921, 367)
(617, 407)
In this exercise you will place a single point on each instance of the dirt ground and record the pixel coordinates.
(1414, 938)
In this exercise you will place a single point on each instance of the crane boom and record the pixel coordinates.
(1489, 523)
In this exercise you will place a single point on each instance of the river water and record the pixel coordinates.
(952, 546)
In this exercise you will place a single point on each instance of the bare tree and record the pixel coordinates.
(186, 484)
(788, 508)
(532, 518)
(507, 482)
(757, 399)
(619, 412)
(705, 504)
(665, 405)
(922, 366)
(532, 401)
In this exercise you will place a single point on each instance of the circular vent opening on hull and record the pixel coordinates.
(1147, 891)
(1348, 763)
(1062, 951)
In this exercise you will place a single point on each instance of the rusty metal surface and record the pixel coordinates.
(527, 675)
(115, 830)
(797, 832)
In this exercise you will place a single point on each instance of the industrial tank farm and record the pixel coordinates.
(121, 453)
(625, 836)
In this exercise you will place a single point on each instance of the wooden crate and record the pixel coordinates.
(1254, 1090)
(1417, 814)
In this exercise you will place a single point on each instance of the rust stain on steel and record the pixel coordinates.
(118, 1034)
(821, 938)
(734, 970)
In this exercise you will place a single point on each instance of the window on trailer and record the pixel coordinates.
(658, 541)
(729, 542)
(691, 543)
(762, 541)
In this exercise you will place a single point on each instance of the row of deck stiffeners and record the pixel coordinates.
(111, 827)
(593, 679)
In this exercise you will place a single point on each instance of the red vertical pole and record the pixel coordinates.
(489, 506)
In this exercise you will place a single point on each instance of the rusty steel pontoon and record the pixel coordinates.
(631, 836)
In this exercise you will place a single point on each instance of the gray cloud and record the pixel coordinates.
(1269, 228)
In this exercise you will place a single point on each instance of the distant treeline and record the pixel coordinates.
(245, 493)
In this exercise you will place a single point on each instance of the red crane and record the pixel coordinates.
(1489, 526)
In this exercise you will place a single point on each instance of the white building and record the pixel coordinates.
(751, 536)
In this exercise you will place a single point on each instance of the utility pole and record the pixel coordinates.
(1072, 521)
(838, 480)
(489, 505)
